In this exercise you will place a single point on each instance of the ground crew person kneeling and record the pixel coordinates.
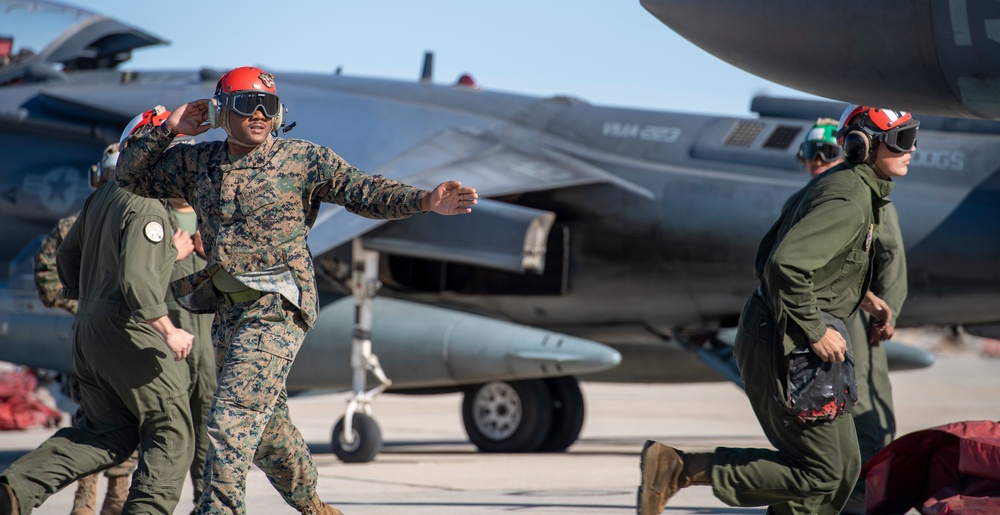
(127, 355)
(814, 271)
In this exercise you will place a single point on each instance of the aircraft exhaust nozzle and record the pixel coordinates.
(424, 346)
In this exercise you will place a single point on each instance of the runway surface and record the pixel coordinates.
(429, 467)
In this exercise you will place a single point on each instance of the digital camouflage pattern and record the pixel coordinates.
(249, 421)
(257, 211)
(46, 275)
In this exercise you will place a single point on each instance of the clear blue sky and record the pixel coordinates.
(606, 52)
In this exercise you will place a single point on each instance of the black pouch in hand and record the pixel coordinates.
(818, 391)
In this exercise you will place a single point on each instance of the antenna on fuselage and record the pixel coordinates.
(427, 74)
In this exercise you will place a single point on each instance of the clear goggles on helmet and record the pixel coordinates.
(902, 139)
(245, 103)
(826, 151)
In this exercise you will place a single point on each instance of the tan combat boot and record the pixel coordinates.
(8, 501)
(114, 499)
(318, 507)
(666, 470)
(85, 498)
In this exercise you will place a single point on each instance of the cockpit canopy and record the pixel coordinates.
(41, 40)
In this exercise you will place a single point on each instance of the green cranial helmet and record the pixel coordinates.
(824, 131)
(821, 141)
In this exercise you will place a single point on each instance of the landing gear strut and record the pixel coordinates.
(357, 437)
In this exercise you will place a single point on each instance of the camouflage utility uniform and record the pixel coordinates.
(201, 360)
(814, 259)
(135, 392)
(255, 211)
(46, 276)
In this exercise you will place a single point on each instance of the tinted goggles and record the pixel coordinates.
(825, 151)
(245, 103)
(901, 139)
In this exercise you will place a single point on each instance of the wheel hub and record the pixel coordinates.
(498, 410)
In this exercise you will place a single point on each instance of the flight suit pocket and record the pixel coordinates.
(757, 346)
(854, 267)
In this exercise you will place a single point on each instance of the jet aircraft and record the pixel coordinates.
(608, 244)
(938, 58)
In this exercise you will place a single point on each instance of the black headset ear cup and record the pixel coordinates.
(213, 113)
(857, 146)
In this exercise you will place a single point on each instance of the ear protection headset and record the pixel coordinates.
(858, 146)
(863, 127)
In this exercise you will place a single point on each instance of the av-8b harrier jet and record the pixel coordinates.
(609, 244)
(926, 56)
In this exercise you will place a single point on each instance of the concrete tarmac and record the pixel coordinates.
(428, 466)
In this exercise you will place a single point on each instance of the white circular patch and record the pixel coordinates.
(153, 232)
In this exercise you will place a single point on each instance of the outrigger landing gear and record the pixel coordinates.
(357, 437)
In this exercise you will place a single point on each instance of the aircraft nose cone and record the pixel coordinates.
(553, 353)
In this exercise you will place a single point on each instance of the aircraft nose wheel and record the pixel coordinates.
(367, 440)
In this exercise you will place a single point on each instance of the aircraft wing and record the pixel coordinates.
(497, 163)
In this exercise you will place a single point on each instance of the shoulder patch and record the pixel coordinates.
(153, 232)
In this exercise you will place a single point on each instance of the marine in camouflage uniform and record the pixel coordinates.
(256, 198)
(46, 276)
(134, 389)
(201, 360)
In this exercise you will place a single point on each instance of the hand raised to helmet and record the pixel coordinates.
(190, 118)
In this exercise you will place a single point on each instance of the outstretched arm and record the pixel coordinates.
(449, 198)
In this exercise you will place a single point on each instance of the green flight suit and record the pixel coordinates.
(116, 260)
(254, 212)
(814, 259)
(201, 360)
(49, 290)
(873, 414)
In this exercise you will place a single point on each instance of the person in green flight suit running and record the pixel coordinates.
(873, 413)
(814, 270)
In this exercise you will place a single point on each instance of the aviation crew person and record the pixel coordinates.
(813, 265)
(256, 197)
(201, 361)
(190, 259)
(819, 151)
(874, 418)
(50, 293)
(127, 356)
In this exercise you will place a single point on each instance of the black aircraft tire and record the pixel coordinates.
(367, 440)
(508, 416)
(567, 414)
